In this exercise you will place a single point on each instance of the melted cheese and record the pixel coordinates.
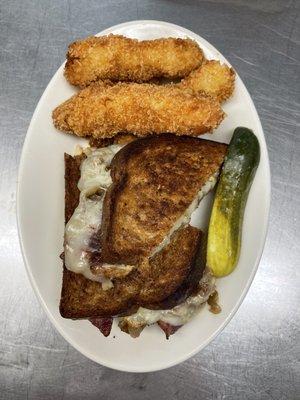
(178, 315)
(86, 219)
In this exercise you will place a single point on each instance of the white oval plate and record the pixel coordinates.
(40, 215)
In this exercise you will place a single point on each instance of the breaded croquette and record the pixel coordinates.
(118, 58)
(103, 111)
(212, 78)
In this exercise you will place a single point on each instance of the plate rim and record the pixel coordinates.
(197, 349)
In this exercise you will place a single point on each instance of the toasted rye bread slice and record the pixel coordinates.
(155, 180)
(121, 138)
(162, 282)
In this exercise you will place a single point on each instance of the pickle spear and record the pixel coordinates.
(225, 226)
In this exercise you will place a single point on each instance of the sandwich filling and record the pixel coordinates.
(176, 316)
(95, 179)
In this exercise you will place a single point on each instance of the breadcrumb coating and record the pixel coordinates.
(102, 111)
(212, 78)
(119, 58)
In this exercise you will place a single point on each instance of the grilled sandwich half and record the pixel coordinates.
(129, 250)
(157, 183)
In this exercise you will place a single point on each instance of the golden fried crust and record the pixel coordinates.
(103, 111)
(119, 58)
(212, 78)
(154, 181)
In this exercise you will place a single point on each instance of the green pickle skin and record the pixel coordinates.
(225, 227)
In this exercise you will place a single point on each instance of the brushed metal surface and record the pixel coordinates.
(257, 355)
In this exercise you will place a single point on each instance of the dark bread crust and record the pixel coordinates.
(166, 280)
(172, 274)
(190, 284)
(121, 138)
(72, 176)
(155, 179)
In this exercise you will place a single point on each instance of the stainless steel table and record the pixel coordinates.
(257, 355)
